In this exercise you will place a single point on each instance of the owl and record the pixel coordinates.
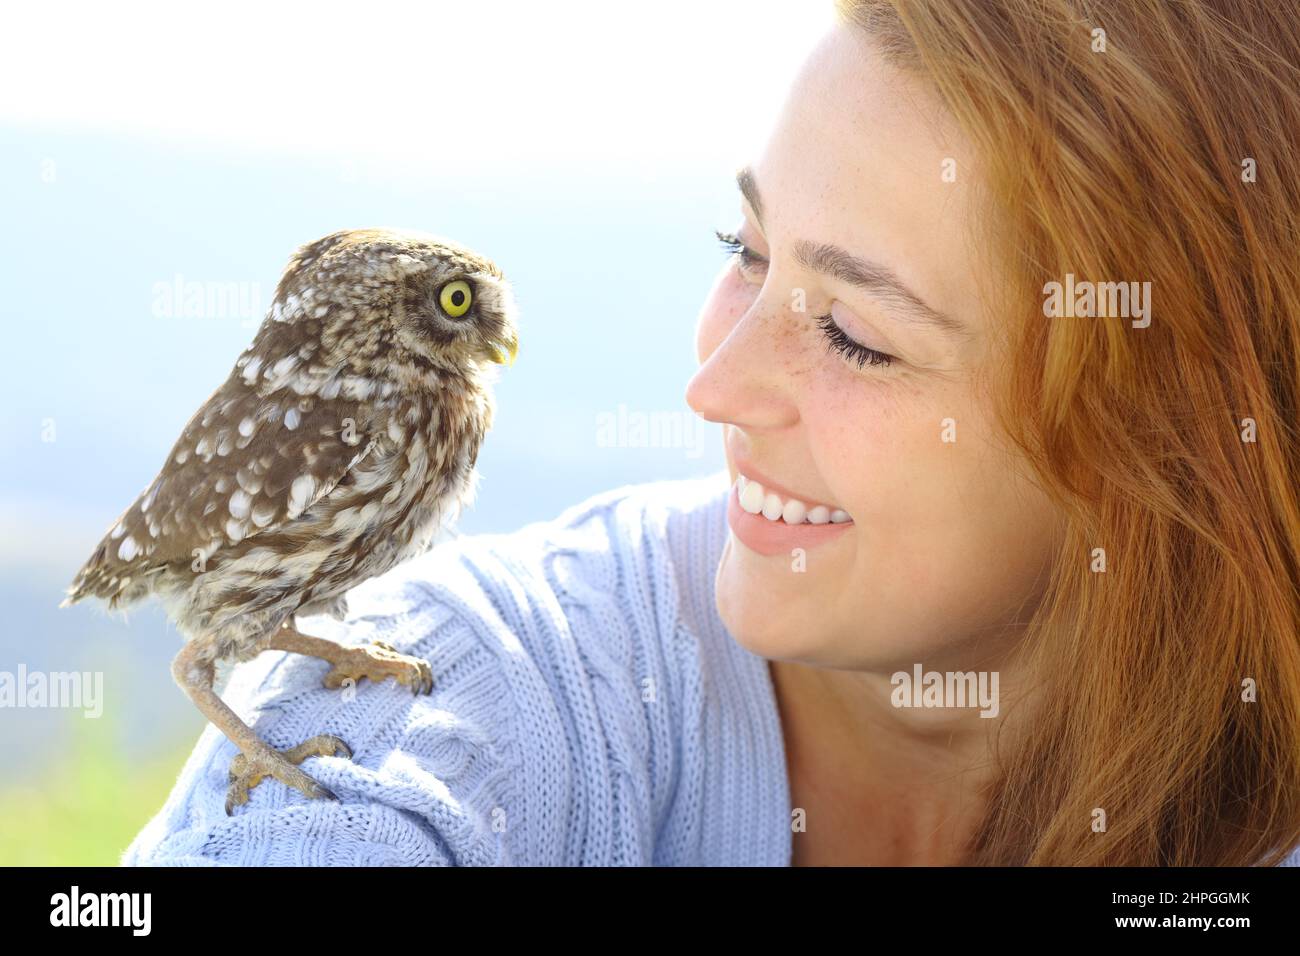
(344, 438)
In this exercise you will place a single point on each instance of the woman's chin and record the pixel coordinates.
(768, 608)
(776, 613)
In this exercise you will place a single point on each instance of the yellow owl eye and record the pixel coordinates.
(455, 298)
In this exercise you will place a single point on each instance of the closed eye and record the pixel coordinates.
(837, 340)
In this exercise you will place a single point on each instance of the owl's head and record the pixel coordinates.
(375, 297)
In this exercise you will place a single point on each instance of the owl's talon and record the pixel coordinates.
(379, 661)
(249, 768)
(424, 682)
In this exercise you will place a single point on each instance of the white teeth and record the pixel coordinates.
(770, 505)
(751, 496)
(794, 512)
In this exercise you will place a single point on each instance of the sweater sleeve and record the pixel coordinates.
(565, 681)
(433, 778)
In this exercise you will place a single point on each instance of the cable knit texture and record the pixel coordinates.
(589, 708)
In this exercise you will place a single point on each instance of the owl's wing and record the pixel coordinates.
(246, 463)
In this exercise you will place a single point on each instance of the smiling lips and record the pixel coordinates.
(769, 523)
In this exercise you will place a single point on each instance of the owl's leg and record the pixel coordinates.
(256, 759)
(376, 660)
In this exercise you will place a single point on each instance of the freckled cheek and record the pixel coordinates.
(867, 445)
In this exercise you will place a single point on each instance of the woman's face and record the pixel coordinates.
(856, 217)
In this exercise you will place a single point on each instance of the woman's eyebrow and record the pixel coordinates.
(837, 263)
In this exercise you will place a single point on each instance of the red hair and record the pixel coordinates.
(1128, 155)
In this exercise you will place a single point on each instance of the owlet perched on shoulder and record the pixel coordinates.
(344, 438)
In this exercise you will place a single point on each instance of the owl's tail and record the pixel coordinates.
(90, 580)
(101, 578)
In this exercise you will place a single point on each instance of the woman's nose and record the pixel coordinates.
(740, 382)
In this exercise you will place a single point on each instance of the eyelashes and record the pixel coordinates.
(837, 340)
(731, 242)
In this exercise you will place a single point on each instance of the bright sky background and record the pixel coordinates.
(586, 80)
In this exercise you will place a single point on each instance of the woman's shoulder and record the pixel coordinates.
(567, 660)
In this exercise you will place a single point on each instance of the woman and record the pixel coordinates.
(1008, 363)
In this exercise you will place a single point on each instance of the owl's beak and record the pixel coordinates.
(503, 353)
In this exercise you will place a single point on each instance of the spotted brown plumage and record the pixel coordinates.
(344, 438)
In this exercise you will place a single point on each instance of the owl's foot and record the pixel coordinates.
(252, 766)
(378, 661)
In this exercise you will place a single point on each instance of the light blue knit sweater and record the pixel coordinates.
(588, 708)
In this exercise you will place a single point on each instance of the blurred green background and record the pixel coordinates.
(88, 801)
